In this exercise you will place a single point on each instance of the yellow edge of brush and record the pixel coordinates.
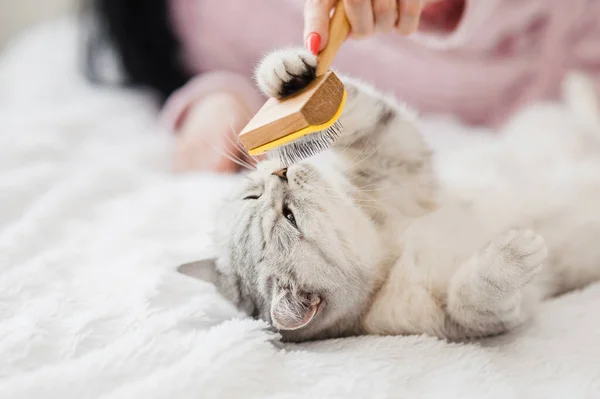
(305, 123)
(300, 133)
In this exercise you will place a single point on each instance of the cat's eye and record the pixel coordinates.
(251, 197)
(287, 213)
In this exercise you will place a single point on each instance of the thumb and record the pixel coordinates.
(316, 23)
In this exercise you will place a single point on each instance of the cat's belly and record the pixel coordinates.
(413, 298)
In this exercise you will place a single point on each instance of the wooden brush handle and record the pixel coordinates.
(338, 32)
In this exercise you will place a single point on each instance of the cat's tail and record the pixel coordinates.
(568, 129)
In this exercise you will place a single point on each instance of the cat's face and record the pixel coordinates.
(296, 251)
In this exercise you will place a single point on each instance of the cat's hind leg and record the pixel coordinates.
(491, 293)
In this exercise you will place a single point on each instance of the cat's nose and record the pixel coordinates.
(282, 173)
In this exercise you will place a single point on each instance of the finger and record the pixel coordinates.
(410, 13)
(385, 13)
(360, 16)
(316, 23)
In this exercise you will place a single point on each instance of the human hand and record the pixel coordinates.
(207, 138)
(366, 17)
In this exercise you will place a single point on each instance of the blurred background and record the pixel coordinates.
(477, 64)
(18, 15)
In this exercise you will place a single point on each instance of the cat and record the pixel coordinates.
(371, 238)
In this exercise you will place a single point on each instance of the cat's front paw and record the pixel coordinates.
(515, 258)
(284, 72)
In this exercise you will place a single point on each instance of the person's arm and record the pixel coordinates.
(203, 88)
(206, 115)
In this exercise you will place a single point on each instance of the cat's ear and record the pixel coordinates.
(205, 270)
(293, 310)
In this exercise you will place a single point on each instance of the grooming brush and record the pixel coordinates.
(306, 122)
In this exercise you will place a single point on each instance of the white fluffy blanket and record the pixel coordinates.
(92, 225)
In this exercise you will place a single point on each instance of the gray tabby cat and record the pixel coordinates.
(365, 239)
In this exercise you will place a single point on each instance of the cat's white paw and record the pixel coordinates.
(523, 248)
(514, 259)
(284, 72)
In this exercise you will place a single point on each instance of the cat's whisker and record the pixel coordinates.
(357, 176)
(355, 188)
(400, 185)
(323, 195)
(366, 187)
(362, 150)
(360, 201)
(242, 164)
(363, 206)
(339, 153)
(379, 199)
(247, 164)
(380, 189)
(357, 201)
(231, 136)
(236, 156)
(367, 156)
(236, 143)
(362, 189)
(232, 158)
(246, 112)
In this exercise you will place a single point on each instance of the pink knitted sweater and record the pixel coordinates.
(502, 55)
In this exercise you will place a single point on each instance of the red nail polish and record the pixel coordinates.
(313, 42)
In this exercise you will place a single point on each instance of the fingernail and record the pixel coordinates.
(313, 42)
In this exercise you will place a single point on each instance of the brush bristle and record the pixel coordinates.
(309, 145)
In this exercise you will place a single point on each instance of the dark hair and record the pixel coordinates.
(140, 34)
